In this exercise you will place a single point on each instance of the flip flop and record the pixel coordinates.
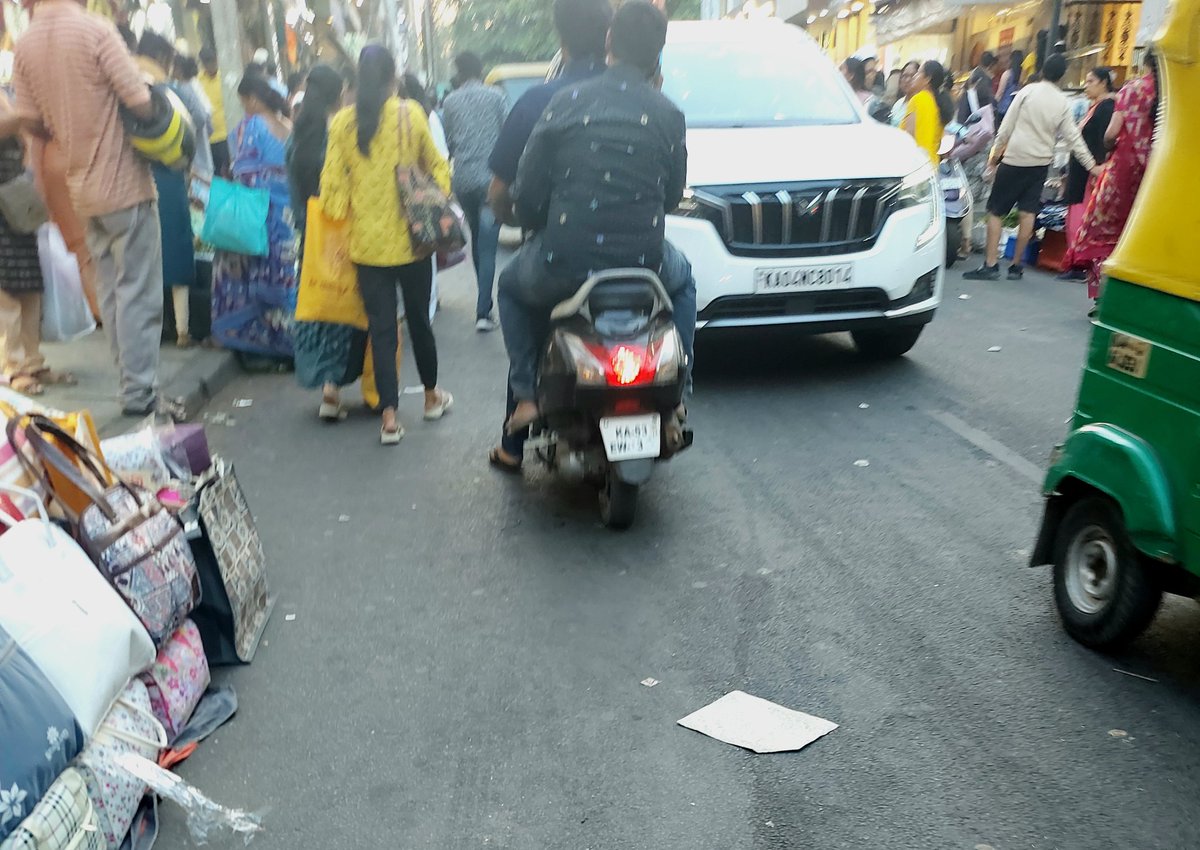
(331, 412)
(505, 466)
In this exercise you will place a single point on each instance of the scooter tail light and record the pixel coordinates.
(627, 365)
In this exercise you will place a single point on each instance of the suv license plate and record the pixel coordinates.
(630, 437)
(802, 278)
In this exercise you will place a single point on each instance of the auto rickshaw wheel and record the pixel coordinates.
(1105, 595)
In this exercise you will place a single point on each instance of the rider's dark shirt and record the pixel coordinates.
(604, 166)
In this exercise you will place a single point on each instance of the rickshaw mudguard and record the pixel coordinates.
(1123, 467)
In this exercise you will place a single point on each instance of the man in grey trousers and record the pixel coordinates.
(72, 74)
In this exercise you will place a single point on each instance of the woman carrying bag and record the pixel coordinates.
(368, 143)
(21, 282)
(253, 297)
(328, 355)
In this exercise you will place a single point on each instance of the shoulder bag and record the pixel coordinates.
(138, 546)
(129, 727)
(21, 204)
(435, 219)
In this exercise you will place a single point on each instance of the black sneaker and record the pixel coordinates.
(1016, 272)
(984, 272)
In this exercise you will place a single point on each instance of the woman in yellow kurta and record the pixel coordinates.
(367, 142)
(928, 110)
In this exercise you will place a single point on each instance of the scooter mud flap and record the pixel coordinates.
(634, 472)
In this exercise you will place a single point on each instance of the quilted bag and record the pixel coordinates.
(237, 601)
(435, 219)
(140, 547)
(38, 735)
(130, 727)
(177, 679)
(66, 618)
(63, 820)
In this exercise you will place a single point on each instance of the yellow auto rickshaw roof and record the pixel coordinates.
(1160, 248)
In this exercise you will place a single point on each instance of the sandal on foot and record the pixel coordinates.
(391, 438)
(496, 459)
(331, 411)
(26, 385)
(445, 402)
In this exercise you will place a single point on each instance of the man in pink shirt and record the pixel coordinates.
(71, 74)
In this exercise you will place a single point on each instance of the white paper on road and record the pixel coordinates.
(757, 724)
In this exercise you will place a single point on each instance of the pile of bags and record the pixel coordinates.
(127, 568)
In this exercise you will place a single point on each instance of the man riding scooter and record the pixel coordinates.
(603, 167)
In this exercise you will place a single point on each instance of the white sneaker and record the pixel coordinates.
(486, 325)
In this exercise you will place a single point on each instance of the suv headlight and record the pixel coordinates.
(705, 207)
(920, 189)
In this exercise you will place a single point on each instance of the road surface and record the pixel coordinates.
(464, 665)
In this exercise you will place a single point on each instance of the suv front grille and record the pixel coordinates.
(799, 219)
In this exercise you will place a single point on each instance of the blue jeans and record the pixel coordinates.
(524, 318)
(485, 237)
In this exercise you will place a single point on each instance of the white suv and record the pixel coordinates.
(801, 211)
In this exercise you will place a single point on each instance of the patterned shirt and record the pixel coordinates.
(604, 166)
(472, 117)
(73, 71)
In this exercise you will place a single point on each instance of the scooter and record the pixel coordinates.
(609, 387)
(956, 191)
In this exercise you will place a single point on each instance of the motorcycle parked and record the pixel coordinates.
(610, 383)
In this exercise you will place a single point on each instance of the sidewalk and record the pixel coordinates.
(193, 375)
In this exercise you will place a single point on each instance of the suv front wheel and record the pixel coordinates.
(886, 344)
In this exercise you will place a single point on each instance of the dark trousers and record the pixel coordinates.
(378, 287)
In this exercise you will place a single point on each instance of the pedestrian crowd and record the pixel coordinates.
(1012, 118)
(91, 107)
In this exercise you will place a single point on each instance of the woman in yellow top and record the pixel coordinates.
(367, 142)
(929, 109)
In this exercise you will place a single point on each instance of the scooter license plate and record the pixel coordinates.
(631, 437)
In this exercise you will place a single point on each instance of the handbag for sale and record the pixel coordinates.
(236, 218)
(435, 219)
(130, 727)
(39, 734)
(66, 618)
(177, 679)
(138, 546)
(81, 429)
(328, 279)
(64, 819)
(236, 602)
(21, 204)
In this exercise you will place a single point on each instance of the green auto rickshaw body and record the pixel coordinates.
(1135, 435)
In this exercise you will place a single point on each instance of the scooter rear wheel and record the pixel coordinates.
(618, 502)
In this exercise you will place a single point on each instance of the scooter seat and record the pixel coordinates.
(626, 283)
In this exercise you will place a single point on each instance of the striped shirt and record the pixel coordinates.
(72, 70)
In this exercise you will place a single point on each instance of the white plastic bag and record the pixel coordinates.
(68, 619)
(66, 316)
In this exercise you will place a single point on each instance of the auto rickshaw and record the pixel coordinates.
(1122, 514)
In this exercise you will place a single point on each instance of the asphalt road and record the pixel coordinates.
(464, 663)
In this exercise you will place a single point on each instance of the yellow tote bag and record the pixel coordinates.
(328, 280)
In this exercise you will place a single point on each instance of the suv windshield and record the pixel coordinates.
(744, 84)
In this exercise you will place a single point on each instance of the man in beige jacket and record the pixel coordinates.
(1040, 114)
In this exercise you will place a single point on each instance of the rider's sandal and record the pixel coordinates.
(497, 460)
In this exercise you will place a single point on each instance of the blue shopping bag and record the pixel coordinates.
(236, 218)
